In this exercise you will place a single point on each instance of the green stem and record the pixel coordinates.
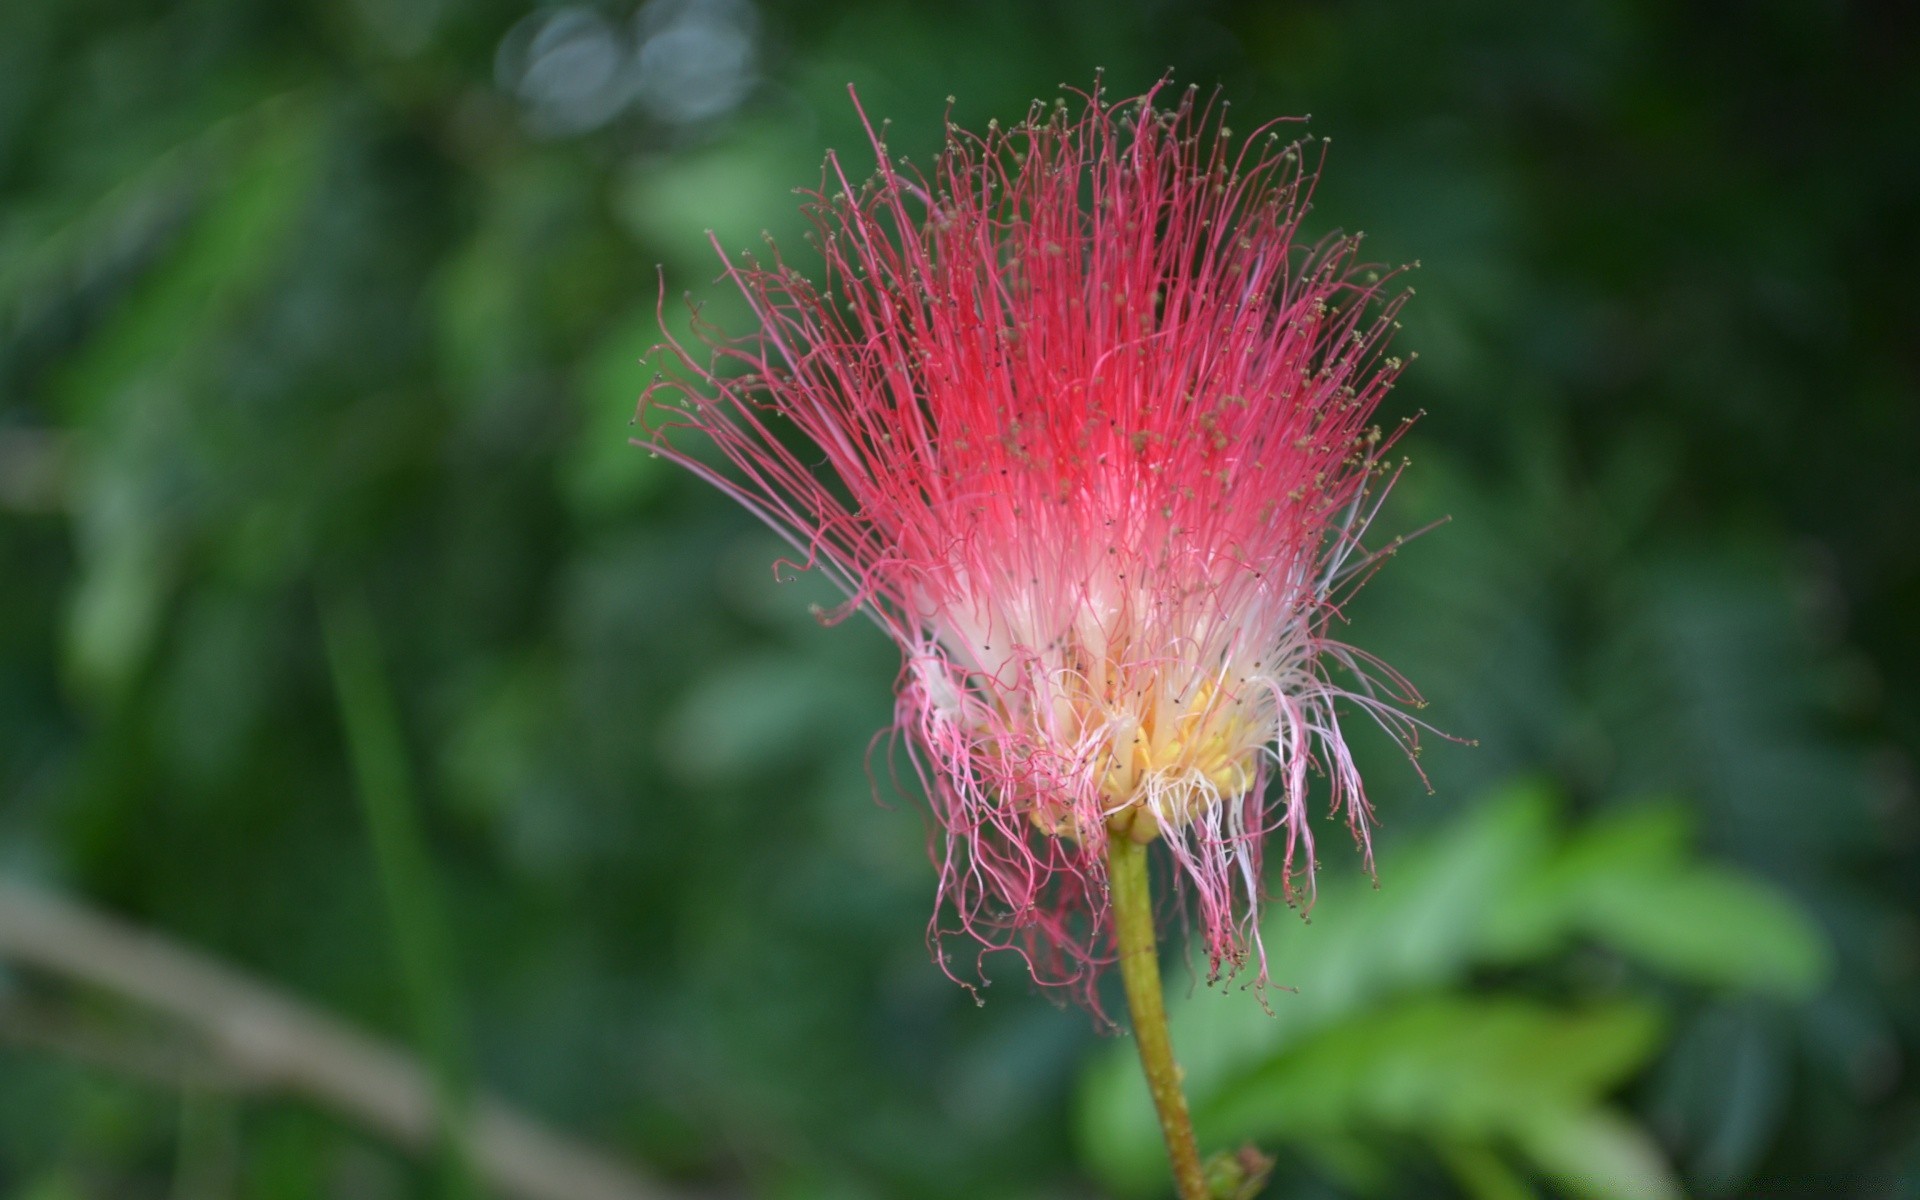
(1140, 972)
(384, 779)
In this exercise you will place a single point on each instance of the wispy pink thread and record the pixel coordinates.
(1090, 439)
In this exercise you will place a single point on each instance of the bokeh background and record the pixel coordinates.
(345, 641)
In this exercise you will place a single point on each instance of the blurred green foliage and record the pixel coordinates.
(1402, 1022)
(307, 301)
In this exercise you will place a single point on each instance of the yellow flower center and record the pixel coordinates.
(1167, 759)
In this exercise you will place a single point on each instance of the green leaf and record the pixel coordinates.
(1710, 925)
(1483, 1174)
(1345, 1053)
(1630, 882)
(1419, 930)
(1459, 1067)
(1600, 1155)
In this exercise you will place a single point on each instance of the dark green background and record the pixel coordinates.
(340, 307)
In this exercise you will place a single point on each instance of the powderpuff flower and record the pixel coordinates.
(1083, 423)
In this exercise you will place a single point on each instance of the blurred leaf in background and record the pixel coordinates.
(1449, 1007)
(363, 294)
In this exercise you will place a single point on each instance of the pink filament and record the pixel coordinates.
(1089, 439)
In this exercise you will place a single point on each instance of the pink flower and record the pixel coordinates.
(1089, 438)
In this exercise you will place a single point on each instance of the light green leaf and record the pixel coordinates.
(1710, 925)
(1600, 1155)
(1342, 1053)
(1460, 1067)
(1417, 931)
(1483, 1174)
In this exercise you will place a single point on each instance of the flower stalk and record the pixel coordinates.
(1139, 951)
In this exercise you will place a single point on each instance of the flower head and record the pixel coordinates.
(1090, 438)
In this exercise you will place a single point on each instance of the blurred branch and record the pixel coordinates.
(164, 1061)
(258, 1037)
